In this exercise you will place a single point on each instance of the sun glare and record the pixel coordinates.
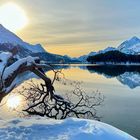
(13, 17)
(13, 101)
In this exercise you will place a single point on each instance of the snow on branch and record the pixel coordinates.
(11, 68)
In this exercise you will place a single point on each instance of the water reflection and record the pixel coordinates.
(121, 105)
(127, 75)
(13, 101)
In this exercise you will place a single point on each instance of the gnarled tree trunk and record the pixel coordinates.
(10, 72)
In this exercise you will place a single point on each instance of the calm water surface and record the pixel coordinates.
(120, 86)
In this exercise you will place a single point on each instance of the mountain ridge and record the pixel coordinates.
(10, 42)
(7, 36)
(131, 46)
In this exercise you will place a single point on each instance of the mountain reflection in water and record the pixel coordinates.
(127, 75)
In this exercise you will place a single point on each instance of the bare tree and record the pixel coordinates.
(76, 103)
(11, 71)
(41, 98)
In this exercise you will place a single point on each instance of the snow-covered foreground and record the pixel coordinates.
(69, 129)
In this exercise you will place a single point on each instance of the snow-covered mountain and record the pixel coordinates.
(83, 58)
(7, 37)
(9, 42)
(106, 50)
(131, 46)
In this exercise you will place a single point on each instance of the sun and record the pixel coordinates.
(13, 101)
(13, 17)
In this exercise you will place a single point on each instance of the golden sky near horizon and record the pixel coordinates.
(72, 27)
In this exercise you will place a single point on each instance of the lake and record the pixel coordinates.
(119, 84)
(121, 87)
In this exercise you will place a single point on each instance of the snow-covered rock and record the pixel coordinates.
(10, 38)
(69, 129)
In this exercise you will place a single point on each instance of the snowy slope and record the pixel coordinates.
(9, 42)
(131, 46)
(83, 58)
(106, 50)
(69, 129)
(8, 37)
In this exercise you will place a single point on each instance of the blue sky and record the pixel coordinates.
(76, 27)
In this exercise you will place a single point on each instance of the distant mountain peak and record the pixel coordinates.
(10, 42)
(132, 41)
(134, 38)
(7, 36)
(1, 26)
(131, 46)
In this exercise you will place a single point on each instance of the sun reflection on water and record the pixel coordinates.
(13, 101)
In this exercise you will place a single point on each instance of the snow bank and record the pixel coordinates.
(69, 129)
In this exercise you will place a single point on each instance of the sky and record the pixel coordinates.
(77, 27)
